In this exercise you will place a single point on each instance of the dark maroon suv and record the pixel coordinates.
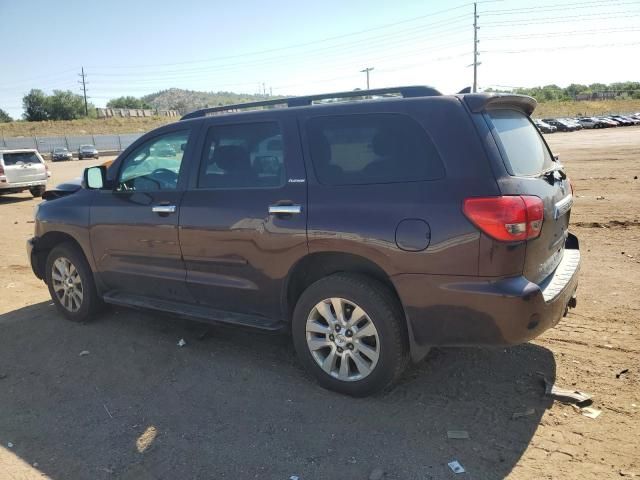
(371, 229)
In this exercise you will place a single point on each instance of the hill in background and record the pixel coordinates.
(189, 100)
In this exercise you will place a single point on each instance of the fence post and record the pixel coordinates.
(35, 139)
(66, 142)
(119, 143)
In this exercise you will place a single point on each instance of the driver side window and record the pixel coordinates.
(154, 165)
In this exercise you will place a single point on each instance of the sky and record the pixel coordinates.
(137, 47)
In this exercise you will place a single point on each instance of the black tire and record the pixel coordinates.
(37, 191)
(383, 310)
(90, 303)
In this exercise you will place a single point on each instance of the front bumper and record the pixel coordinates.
(456, 311)
(32, 254)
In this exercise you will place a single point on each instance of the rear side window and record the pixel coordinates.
(20, 158)
(377, 148)
(523, 148)
(247, 155)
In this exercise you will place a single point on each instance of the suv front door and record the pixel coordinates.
(134, 226)
(236, 252)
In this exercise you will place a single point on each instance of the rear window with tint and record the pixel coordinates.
(522, 145)
(20, 158)
(373, 148)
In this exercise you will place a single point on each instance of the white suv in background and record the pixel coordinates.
(21, 170)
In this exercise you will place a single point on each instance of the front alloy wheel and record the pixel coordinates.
(67, 284)
(342, 339)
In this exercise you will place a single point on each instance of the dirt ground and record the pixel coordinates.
(232, 404)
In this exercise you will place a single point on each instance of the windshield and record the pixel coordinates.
(523, 148)
(59, 150)
(87, 147)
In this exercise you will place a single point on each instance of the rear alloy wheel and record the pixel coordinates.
(342, 339)
(70, 283)
(349, 333)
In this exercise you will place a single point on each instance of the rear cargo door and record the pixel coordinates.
(20, 167)
(532, 170)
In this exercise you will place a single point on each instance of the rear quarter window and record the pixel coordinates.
(523, 149)
(20, 158)
(373, 148)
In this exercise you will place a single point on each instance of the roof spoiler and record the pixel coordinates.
(479, 102)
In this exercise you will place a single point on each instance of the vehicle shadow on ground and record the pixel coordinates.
(7, 199)
(235, 403)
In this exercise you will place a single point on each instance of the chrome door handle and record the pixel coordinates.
(163, 209)
(284, 209)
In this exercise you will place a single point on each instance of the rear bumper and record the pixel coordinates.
(452, 311)
(22, 185)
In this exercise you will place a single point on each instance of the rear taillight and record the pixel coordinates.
(507, 218)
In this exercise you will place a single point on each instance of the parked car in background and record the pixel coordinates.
(609, 121)
(87, 151)
(544, 127)
(573, 122)
(21, 170)
(561, 125)
(60, 154)
(588, 122)
(625, 122)
(634, 121)
(392, 231)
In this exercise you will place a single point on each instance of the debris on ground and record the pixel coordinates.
(456, 467)
(352, 460)
(294, 477)
(182, 343)
(591, 412)
(9, 445)
(457, 434)
(83, 353)
(527, 413)
(600, 197)
(618, 375)
(564, 394)
(107, 410)
(376, 474)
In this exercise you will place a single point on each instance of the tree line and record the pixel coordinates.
(578, 91)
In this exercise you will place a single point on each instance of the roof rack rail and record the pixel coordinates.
(406, 92)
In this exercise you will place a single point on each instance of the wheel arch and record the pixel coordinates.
(317, 265)
(48, 242)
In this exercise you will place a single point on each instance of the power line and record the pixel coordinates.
(326, 39)
(564, 6)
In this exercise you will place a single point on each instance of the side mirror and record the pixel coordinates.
(94, 177)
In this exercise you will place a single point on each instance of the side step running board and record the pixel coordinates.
(196, 312)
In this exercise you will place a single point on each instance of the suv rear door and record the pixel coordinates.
(530, 169)
(23, 167)
(237, 248)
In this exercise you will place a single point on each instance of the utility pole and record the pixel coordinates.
(475, 47)
(367, 70)
(83, 82)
